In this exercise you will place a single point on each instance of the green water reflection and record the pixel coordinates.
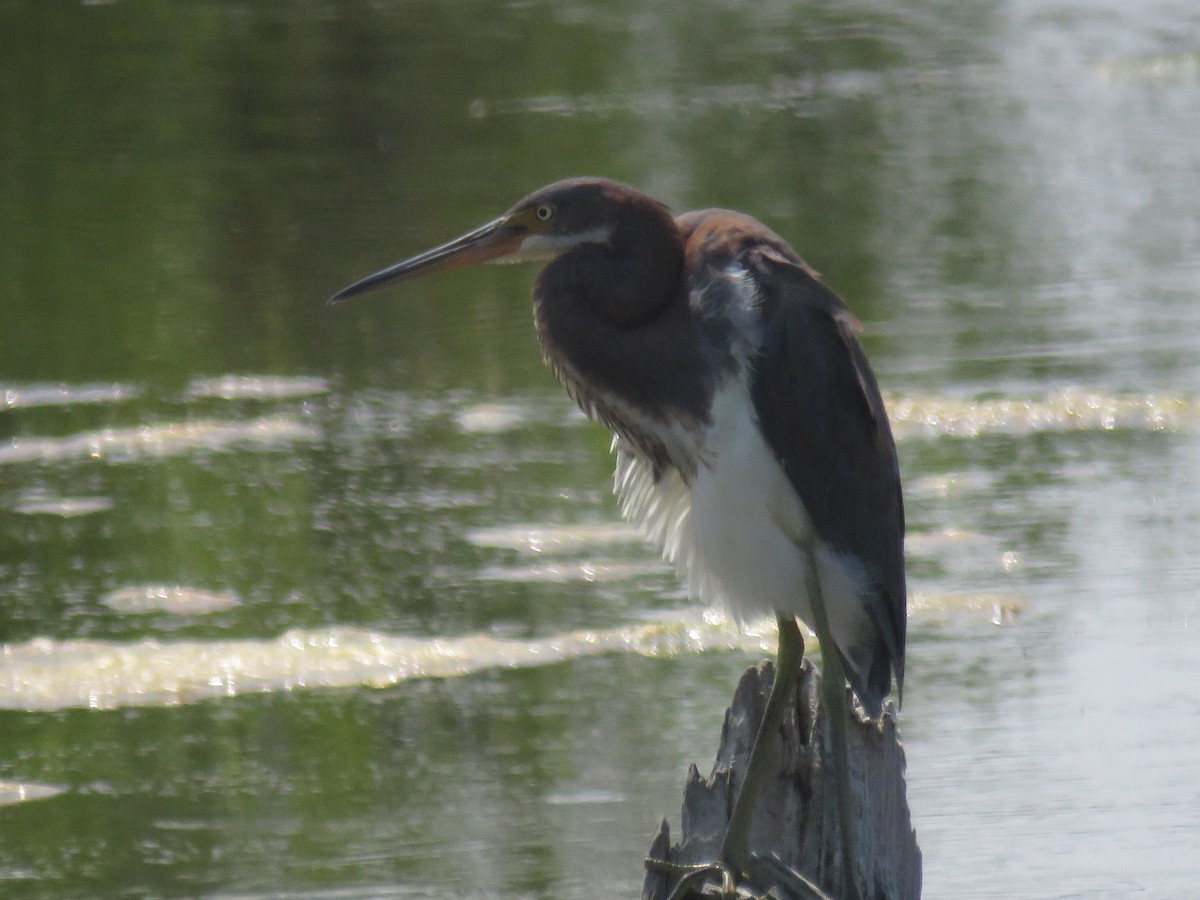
(196, 453)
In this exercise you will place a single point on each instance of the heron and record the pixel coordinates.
(752, 445)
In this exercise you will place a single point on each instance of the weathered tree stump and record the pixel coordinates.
(795, 833)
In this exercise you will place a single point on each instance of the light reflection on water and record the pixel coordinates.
(43, 674)
(157, 440)
(46, 674)
(965, 532)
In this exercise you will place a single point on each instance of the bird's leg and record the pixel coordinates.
(833, 691)
(735, 856)
(734, 849)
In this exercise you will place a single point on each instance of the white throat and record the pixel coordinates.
(542, 247)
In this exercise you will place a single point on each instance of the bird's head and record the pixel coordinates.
(539, 227)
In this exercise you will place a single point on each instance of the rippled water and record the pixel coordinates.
(336, 603)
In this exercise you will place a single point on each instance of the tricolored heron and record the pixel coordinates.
(752, 443)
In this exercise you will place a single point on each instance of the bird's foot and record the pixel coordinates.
(714, 879)
(757, 878)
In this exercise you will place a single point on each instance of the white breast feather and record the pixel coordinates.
(735, 534)
(662, 509)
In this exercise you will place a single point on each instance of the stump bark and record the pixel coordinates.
(795, 832)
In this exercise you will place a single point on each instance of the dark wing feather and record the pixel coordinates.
(819, 407)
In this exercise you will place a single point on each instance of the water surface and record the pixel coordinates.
(337, 603)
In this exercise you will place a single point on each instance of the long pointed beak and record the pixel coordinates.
(494, 240)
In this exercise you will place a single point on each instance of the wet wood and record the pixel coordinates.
(794, 832)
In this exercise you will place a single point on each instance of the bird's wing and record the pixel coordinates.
(819, 407)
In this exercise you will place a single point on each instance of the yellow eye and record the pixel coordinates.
(544, 213)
